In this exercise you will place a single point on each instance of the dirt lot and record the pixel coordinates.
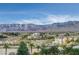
(2, 51)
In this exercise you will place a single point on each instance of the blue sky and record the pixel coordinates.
(38, 13)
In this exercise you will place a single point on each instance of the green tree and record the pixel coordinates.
(22, 50)
(44, 51)
(6, 46)
(74, 51)
(67, 50)
(71, 51)
(67, 34)
(56, 35)
(49, 50)
(54, 50)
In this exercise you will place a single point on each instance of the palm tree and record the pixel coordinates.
(77, 40)
(38, 47)
(67, 35)
(2, 38)
(42, 35)
(31, 46)
(6, 46)
(50, 39)
(24, 36)
(56, 35)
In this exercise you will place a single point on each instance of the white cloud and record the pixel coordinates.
(61, 18)
(50, 19)
(29, 21)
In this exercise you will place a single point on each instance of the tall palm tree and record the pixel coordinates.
(42, 35)
(56, 35)
(24, 36)
(67, 35)
(6, 46)
(38, 47)
(50, 39)
(2, 38)
(31, 46)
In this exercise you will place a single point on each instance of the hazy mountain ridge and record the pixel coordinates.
(65, 26)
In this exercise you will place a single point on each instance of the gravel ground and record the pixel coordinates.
(2, 51)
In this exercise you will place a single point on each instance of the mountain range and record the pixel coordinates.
(55, 27)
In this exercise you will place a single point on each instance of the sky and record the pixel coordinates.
(38, 13)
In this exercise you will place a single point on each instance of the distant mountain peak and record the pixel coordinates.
(64, 26)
